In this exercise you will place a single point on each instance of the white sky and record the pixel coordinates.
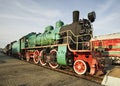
(20, 17)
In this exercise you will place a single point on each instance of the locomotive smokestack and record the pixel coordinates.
(75, 16)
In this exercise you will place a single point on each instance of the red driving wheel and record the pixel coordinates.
(36, 57)
(80, 67)
(53, 53)
(42, 60)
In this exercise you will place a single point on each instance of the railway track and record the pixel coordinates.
(87, 76)
(70, 72)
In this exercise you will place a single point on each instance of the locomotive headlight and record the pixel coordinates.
(92, 16)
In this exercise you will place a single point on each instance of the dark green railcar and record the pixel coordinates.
(16, 48)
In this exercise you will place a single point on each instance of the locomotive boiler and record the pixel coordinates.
(50, 35)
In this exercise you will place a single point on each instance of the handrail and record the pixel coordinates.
(77, 43)
(73, 33)
(72, 40)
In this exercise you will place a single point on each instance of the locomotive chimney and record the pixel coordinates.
(75, 16)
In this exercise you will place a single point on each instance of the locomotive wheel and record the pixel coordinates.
(27, 57)
(42, 61)
(80, 67)
(53, 64)
(36, 57)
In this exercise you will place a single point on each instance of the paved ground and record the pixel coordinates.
(14, 72)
